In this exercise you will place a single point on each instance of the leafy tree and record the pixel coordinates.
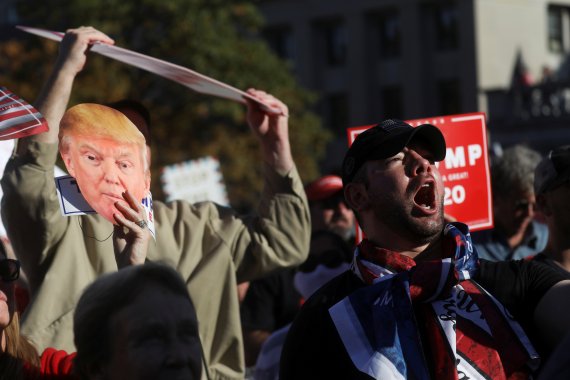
(219, 38)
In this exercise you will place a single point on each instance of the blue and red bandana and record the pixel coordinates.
(466, 332)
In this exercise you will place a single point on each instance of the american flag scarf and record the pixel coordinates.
(18, 118)
(465, 332)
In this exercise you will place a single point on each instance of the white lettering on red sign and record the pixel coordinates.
(456, 158)
(454, 195)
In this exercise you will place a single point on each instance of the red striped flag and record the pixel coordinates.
(18, 118)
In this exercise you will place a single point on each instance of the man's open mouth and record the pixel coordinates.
(425, 196)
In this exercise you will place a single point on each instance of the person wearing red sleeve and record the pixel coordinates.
(18, 357)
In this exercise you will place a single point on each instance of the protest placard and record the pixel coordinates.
(186, 77)
(195, 181)
(465, 170)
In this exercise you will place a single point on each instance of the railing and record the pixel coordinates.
(543, 102)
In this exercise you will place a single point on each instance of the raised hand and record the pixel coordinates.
(131, 234)
(54, 96)
(271, 126)
(74, 46)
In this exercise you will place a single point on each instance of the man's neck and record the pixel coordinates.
(426, 251)
(432, 251)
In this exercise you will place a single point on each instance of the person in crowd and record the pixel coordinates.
(328, 208)
(19, 359)
(137, 323)
(16, 350)
(516, 234)
(417, 302)
(329, 256)
(63, 255)
(552, 188)
(272, 302)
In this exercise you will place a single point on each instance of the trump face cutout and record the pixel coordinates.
(106, 154)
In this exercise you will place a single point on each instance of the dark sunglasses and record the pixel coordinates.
(9, 270)
(523, 205)
(333, 202)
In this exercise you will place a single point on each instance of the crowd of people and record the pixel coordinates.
(129, 292)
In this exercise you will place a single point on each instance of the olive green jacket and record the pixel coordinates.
(211, 246)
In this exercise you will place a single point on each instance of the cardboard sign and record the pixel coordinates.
(465, 171)
(186, 77)
(72, 202)
(195, 181)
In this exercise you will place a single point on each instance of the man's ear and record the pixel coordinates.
(543, 205)
(66, 156)
(356, 196)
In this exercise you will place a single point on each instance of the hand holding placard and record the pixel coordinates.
(186, 77)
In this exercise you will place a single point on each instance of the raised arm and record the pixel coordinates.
(278, 235)
(56, 91)
(30, 209)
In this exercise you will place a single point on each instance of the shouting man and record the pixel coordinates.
(417, 303)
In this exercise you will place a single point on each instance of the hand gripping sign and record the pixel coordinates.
(465, 170)
(94, 198)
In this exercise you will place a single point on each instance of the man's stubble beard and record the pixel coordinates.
(422, 230)
(345, 232)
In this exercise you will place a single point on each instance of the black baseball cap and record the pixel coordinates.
(386, 140)
(553, 170)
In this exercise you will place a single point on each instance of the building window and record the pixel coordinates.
(334, 41)
(446, 27)
(388, 32)
(336, 112)
(392, 102)
(9, 14)
(558, 29)
(555, 29)
(280, 40)
(449, 96)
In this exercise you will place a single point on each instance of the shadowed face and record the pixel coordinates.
(104, 168)
(333, 214)
(556, 208)
(155, 337)
(514, 212)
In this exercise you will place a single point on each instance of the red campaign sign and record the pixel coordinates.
(465, 170)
